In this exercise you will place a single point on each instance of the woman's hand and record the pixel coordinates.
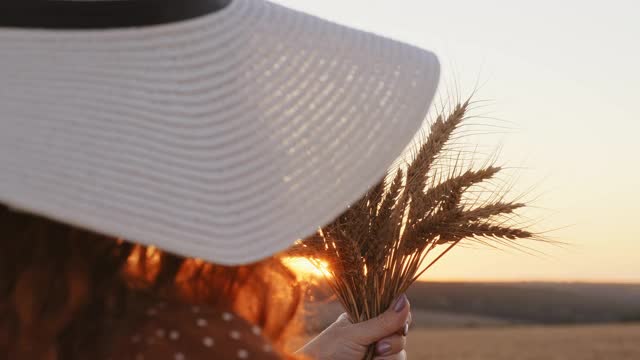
(344, 340)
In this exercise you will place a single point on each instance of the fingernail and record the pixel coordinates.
(405, 329)
(383, 348)
(400, 303)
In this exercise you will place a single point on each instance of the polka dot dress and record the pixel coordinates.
(192, 333)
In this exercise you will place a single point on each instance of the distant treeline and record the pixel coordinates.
(541, 303)
(546, 303)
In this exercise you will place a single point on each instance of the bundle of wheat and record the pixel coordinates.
(382, 243)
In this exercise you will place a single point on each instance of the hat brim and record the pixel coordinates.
(225, 137)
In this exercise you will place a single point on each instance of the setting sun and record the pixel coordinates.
(306, 270)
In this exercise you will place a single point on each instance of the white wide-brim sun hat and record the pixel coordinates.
(225, 136)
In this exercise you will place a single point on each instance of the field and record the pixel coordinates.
(584, 342)
(512, 321)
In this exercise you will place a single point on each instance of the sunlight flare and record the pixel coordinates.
(306, 270)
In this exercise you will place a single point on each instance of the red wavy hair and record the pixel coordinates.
(65, 290)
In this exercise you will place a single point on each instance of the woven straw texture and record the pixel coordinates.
(225, 137)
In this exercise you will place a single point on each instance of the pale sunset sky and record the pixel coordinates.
(566, 77)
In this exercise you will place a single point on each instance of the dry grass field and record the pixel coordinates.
(512, 321)
(602, 342)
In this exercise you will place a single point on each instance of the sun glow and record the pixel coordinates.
(306, 270)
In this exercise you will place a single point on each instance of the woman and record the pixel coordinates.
(68, 293)
(140, 145)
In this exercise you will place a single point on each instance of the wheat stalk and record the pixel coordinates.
(378, 247)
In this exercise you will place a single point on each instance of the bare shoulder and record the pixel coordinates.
(178, 332)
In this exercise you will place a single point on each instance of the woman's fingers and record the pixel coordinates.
(391, 345)
(405, 329)
(389, 323)
(402, 355)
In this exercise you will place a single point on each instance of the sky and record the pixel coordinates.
(565, 78)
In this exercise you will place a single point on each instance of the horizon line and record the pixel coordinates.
(539, 281)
